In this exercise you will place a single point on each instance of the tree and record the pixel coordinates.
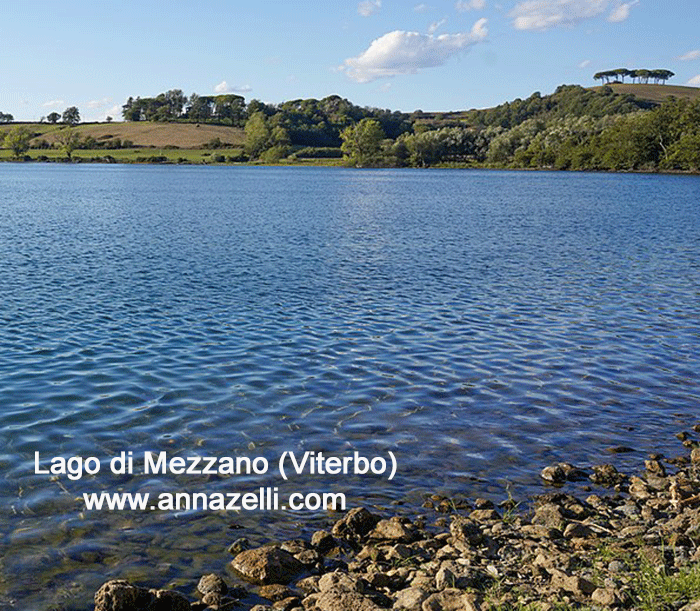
(53, 117)
(362, 143)
(69, 140)
(18, 140)
(6, 118)
(257, 135)
(71, 115)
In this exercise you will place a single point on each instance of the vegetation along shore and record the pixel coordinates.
(632, 544)
(615, 127)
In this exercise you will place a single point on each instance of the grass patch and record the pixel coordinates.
(656, 590)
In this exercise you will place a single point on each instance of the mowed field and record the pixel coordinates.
(142, 134)
(655, 93)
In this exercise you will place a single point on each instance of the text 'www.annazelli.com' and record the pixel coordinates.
(265, 499)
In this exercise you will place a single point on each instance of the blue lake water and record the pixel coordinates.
(479, 325)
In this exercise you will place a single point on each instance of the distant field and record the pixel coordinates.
(158, 135)
(655, 93)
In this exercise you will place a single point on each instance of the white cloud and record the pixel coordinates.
(694, 82)
(367, 8)
(434, 27)
(470, 5)
(621, 12)
(223, 87)
(401, 52)
(690, 55)
(545, 14)
(98, 103)
(585, 63)
(421, 8)
(51, 103)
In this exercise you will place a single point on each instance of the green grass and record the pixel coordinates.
(656, 590)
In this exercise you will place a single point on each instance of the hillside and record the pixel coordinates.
(142, 133)
(654, 93)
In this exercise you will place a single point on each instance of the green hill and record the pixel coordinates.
(654, 93)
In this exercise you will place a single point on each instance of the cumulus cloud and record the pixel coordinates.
(694, 82)
(401, 52)
(545, 14)
(52, 103)
(470, 5)
(690, 55)
(223, 87)
(367, 8)
(621, 12)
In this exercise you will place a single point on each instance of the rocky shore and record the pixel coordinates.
(632, 543)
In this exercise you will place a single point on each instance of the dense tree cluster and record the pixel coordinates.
(6, 117)
(173, 105)
(642, 76)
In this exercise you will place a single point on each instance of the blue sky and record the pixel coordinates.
(432, 55)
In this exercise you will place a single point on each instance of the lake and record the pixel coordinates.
(476, 326)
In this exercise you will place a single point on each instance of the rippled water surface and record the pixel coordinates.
(477, 324)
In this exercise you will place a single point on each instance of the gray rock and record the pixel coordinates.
(266, 565)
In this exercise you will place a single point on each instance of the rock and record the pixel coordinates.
(266, 565)
(212, 583)
(562, 472)
(572, 583)
(238, 546)
(452, 575)
(410, 599)
(355, 526)
(606, 475)
(339, 581)
(395, 529)
(553, 474)
(167, 600)
(576, 530)
(287, 604)
(336, 599)
(275, 592)
(451, 599)
(308, 585)
(604, 597)
(323, 541)
(550, 515)
(695, 456)
(639, 489)
(694, 606)
(120, 595)
(485, 515)
(465, 530)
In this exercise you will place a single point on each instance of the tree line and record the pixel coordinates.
(642, 76)
(663, 138)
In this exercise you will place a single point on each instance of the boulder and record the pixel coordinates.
(266, 565)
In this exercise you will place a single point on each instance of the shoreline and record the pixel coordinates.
(635, 545)
(320, 163)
